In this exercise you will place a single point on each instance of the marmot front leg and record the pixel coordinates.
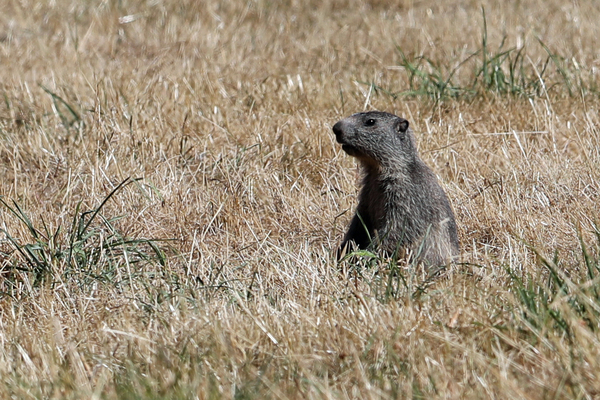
(358, 233)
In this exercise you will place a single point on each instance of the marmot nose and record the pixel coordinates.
(337, 129)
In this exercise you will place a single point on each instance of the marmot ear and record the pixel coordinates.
(402, 125)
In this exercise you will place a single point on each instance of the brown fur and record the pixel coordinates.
(402, 208)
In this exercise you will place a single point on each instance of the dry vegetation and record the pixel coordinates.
(209, 272)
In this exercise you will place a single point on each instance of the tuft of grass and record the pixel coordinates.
(388, 279)
(92, 250)
(567, 295)
(66, 112)
(501, 72)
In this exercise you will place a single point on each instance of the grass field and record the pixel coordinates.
(172, 196)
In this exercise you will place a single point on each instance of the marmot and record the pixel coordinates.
(401, 206)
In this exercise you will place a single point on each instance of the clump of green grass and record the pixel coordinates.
(388, 278)
(501, 72)
(91, 250)
(69, 117)
(565, 295)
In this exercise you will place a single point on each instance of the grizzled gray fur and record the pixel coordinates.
(401, 206)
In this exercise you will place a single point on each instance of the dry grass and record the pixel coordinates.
(220, 115)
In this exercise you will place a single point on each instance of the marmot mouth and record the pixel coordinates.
(350, 150)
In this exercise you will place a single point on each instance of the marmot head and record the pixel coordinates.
(377, 139)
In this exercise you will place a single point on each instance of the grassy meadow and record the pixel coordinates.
(172, 196)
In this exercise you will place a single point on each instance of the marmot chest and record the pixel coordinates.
(374, 203)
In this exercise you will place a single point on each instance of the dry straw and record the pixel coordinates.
(172, 195)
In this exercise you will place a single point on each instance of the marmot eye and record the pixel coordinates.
(370, 122)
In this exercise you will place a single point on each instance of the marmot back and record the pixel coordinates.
(401, 206)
